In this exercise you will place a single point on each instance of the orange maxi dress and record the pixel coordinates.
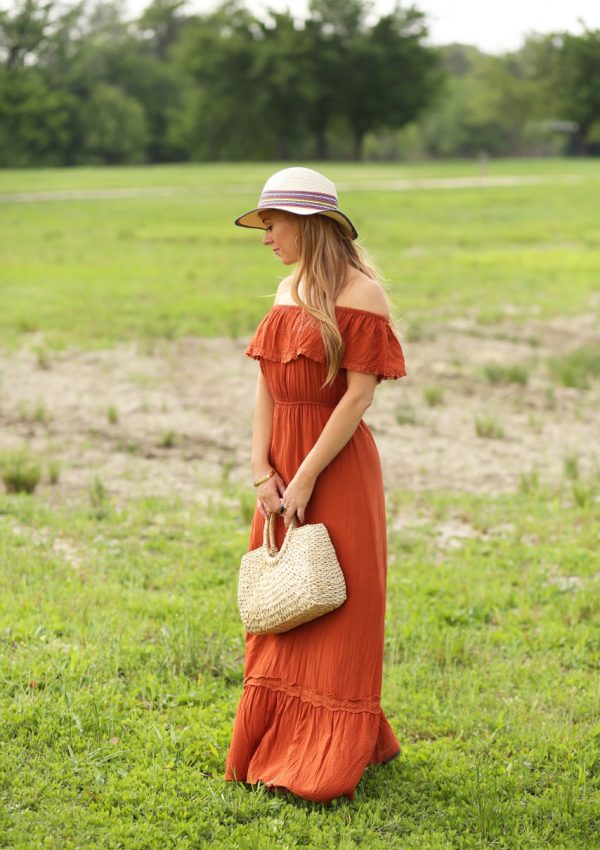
(309, 718)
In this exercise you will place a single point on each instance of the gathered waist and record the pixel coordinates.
(281, 403)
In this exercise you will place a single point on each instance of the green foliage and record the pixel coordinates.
(495, 373)
(81, 84)
(20, 471)
(99, 499)
(571, 467)
(53, 471)
(576, 368)
(168, 440)
(489, 428)
(433, 395)
(576, 79)
(115, 127)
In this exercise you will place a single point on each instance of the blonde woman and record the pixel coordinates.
(309, 718)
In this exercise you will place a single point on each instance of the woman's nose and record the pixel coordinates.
(267, 238)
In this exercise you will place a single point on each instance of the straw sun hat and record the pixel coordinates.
(301, 191)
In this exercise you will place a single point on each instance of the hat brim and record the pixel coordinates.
(253, 220)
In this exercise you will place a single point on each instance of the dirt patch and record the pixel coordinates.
(181, 413)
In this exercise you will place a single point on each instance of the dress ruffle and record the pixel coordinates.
(370, 342)
(321, 749)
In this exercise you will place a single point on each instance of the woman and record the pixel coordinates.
(309, 718)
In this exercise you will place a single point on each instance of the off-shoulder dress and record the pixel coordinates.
(309, 718)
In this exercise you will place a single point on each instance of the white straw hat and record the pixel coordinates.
(301, 191)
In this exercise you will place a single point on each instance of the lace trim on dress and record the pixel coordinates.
(316, 698)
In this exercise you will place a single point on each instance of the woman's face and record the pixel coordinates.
(281, 235)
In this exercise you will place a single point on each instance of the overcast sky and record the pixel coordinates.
(494, 27)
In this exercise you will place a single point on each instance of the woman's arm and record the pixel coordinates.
(269, 493)
(340, 427)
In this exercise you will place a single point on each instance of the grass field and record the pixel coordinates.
(91, 271)
(122, 652)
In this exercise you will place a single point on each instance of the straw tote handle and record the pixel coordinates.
(269, 533)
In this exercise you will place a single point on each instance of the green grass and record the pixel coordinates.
(122, 666)
(102, 270)
(496, 373)
(576, 368)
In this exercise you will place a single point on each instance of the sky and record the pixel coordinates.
(494, 27)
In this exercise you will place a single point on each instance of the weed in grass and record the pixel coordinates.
(571, 467)
(99, 500)
(529, 482)
(495, 373)
(434, 396)
(550, 398)
(20, 471)
(189, 651)
(38, 414)
(584, 494)
(41, 413)
(492, 316)
(406, 416)
(131, 447)
(25, 325)
(575, 368)
(489, 428)
(53, 471)
(226, 471)
(168, 440)
(43, 358)
(416, 332)
(535, 423)
(486, 805)
(112, 414)
(247, 506)
(234, 326)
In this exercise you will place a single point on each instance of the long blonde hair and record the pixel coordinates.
(325, 252)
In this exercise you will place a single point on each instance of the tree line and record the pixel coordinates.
(85, 84)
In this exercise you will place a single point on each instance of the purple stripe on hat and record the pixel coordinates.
(317, 198)
(289, 202)
(293, 203)
(299, 193)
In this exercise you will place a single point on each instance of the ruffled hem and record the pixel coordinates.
(317, 750)
(371, 345)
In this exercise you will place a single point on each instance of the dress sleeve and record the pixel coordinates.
(371, 345)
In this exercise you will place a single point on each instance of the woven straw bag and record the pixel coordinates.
(279, 589)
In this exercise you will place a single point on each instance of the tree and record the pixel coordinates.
(115, 127)
(22, 33)
(392, 77)
(578, 82)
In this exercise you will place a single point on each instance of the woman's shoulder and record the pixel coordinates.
(282, 296)
(365, 293)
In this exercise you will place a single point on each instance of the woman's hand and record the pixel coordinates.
(296, 496)
(268, 495)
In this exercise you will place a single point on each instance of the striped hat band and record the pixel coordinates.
(316, 200)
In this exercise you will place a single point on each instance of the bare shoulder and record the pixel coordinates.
(282, 295)
(364, 293)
